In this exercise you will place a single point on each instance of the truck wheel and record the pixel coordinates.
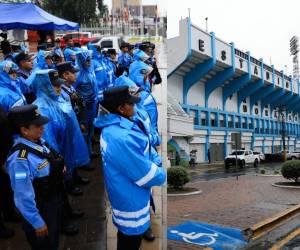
(255, 163)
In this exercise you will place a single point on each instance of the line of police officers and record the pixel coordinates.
(53, 137)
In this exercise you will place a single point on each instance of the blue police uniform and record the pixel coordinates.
(131, 209)
(62, 132)
(10, 93)
(68, 52)
(136, 74)
(103, 70)
(40, 61)
(23, 169)
(129, 178)
(86, 86)
(142, 112)
(36, 175)
(149, 104)
(124, 59)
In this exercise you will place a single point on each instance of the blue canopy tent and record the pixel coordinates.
(30, 17)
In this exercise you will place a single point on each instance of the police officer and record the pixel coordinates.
(67, 72)
(128, 186)
(25, 63)
(36, 174)
(10, 93)
(124, 58)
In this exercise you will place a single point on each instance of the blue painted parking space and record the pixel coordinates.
(210, 235)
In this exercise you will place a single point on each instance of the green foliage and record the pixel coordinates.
(171, 150)
(276, 172)
(177, 177)
(184, 163)
(291, 170)
(83, 11)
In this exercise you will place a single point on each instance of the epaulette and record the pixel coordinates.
(23, 153)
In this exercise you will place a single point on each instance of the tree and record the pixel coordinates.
(103, 9)
(81, 11)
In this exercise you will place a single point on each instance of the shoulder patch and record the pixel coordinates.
(23, 153)
(44, 164)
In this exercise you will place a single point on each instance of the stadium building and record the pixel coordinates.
(216, 89)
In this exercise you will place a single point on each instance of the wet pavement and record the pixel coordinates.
(92, 227)
(230, 201)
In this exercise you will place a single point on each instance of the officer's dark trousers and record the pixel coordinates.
(50, 211)
(6, 194)
(128, 242)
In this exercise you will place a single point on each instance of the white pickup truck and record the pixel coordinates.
(243, 157)
(291, 155)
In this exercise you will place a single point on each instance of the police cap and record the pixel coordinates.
(66, 66)
(118, 95)
(22, 56)
(26, 115)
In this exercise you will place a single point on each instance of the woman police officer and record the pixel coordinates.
(36, 174)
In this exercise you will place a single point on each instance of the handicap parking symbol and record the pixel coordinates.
(204, 234)
(201, 239)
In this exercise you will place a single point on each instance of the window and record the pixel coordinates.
(107, 44)
(222, 123)
(213, 122)
(244, 108)
(256, 111)
(203, 122)
(287, 85)
(266, 113)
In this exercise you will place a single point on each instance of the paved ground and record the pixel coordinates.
(92, 226)
(228, 201)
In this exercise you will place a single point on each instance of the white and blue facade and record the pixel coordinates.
(226, 90)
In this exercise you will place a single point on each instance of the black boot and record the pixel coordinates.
(148, 235)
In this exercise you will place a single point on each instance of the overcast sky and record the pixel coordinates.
(263, 27)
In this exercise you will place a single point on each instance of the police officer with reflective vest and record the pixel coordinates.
(129, 178)
(36, 174)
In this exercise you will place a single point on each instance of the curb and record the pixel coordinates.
(186, 194)
(256, 231)
(282, 186)
(268, 175)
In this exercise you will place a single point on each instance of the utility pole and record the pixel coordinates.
(141, 18)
